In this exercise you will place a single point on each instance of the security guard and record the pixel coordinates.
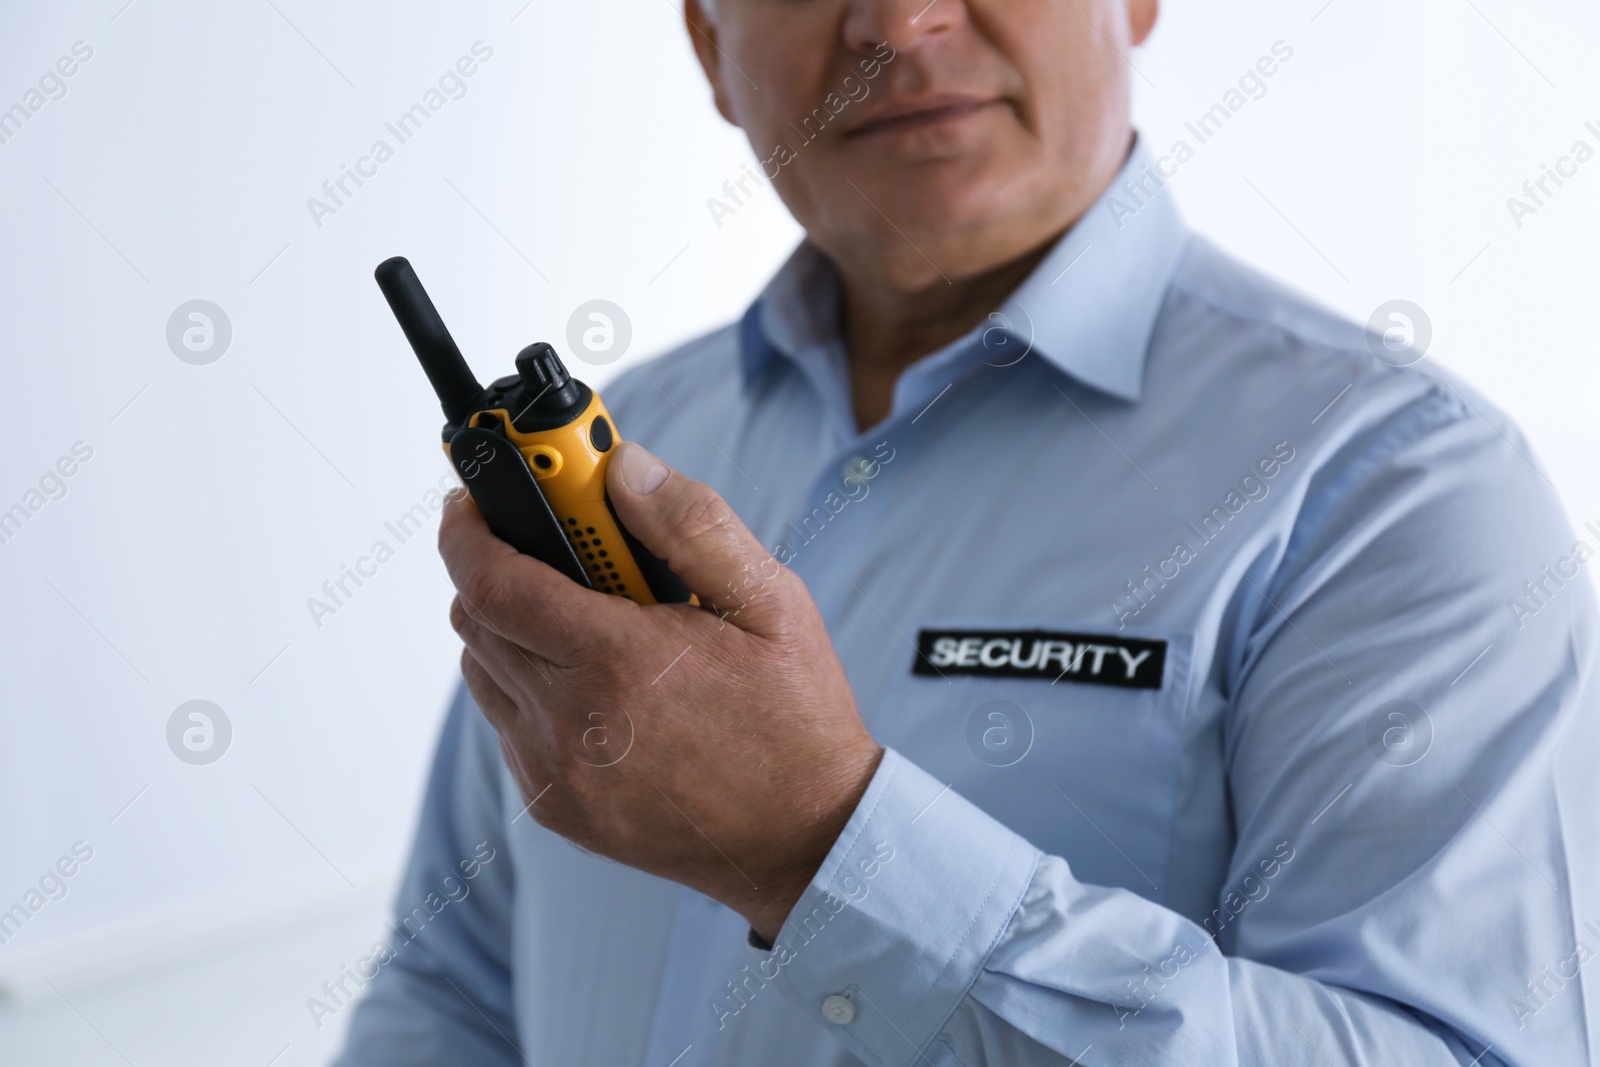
(1104, 656)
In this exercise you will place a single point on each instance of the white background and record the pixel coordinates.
(577, 166)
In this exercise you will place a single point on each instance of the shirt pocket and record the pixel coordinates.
(1085, 767)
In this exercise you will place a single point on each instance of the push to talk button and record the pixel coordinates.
(838, 1010)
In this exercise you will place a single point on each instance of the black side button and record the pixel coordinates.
(600, 434)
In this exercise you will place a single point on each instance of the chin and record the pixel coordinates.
(948, 199)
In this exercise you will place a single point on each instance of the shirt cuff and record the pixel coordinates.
(900, 918)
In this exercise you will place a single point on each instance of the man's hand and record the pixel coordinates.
(716, 746)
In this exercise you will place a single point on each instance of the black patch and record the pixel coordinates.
(1087, 659)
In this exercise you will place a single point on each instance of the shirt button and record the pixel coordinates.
(859, 470)
(838, 1010)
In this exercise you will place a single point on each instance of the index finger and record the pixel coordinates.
(525, 601)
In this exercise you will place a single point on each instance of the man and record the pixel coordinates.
(1103, 657)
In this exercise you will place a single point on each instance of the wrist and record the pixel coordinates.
(787, 880)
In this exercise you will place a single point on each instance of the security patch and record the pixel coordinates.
(1087, 659)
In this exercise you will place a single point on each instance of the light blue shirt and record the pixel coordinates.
(1256, 721)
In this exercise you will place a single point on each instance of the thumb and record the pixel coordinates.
(688, 524)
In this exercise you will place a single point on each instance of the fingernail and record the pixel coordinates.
(642, 473)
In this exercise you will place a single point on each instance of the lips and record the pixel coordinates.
(896, 117)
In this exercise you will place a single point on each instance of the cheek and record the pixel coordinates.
(786, 60)
(1069, 60)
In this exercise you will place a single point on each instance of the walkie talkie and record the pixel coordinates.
(532, 449)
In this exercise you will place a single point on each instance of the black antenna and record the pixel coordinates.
(458, 390)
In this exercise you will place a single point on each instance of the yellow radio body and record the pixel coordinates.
(532, 449)
(571, 472)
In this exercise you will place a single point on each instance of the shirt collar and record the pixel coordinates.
(1089, 308)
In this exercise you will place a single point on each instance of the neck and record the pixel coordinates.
(896, 306)
(888, 326)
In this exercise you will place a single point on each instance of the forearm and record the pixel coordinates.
(1184, 1002)
(957, 942)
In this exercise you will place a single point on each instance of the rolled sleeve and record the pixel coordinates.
(902, 915)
